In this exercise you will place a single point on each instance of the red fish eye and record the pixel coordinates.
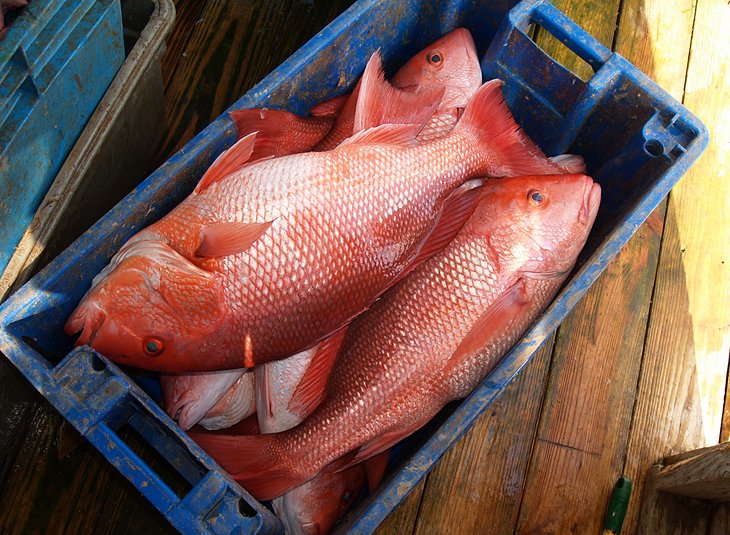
(435, 58)
(535, 197)
(153, 347)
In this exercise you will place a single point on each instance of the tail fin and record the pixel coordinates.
(488, 119)
(280, 132)
(253, 461)
(379, 102)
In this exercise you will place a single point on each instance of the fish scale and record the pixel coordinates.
(345, 224)
(432, 338)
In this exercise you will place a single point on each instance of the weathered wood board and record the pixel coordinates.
(478, 484)
(681, 389)
(587, 413)
(703, 474)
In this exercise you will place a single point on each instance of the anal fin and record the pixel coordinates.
(280, 132)
(375, 469)
(331, 107)
(311, 390)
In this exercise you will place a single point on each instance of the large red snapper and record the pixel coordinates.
(433, 337)
(263, 261)
(450, 63)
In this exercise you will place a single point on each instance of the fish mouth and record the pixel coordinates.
(188, 410)
(187, 415)
(591, 203)
(88, 318)
(468, 42)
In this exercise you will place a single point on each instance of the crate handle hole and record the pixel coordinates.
(245, 509)
(97, 364)
(555, 47)
(654, 148)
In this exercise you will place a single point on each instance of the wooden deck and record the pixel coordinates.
(636, 373)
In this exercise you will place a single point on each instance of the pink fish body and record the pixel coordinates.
(435, 336)
(263, 261)
(214, 400)
(450, 63)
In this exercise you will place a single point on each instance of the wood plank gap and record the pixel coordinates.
(615, 30)
(420, 503)
(528, 466)
(725, 425)
(689, 56)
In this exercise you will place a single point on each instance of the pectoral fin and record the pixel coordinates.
(492, 323)
(225, 239)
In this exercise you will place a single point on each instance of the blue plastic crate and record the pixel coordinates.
(637, 140)
(56, 62)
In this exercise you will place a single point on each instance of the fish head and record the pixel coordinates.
(537, 225)
(450, 62)
(150, 308)
(189, 398)
(313, 508)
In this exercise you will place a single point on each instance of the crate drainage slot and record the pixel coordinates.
(654, 148)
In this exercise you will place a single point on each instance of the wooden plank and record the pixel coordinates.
(685, 363)
(477, 486)
(232, 46)
(669, 514)
(81, 493)
(720, 521)
(581, 442)
(704, 475)
(187, 15)
(583, 433)
(403, 518)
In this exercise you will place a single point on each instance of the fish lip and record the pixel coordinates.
(75, 322)
(88, 319)
(186, 412)
(591, 202)
(468, 40)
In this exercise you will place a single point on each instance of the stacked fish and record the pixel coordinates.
(344, 276)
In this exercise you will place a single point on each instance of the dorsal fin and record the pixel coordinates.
(227, 162)
(379, 102)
